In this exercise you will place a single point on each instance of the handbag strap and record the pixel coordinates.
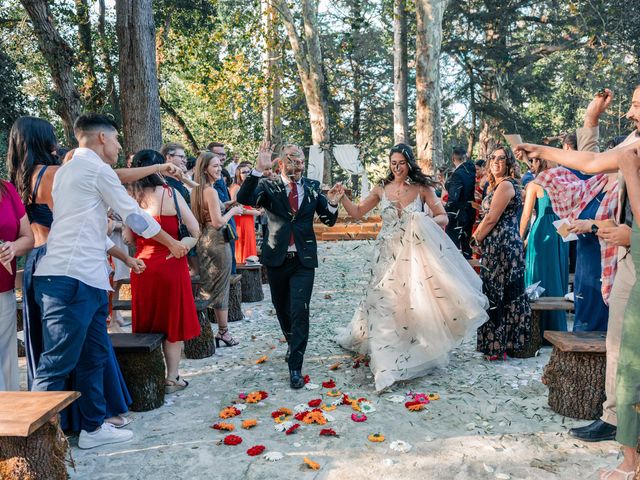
(175, 202)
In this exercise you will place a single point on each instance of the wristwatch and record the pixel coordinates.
(594, 228)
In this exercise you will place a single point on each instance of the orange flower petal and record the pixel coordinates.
(311, 464)
(261, 359)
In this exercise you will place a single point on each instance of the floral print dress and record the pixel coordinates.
(503, 266)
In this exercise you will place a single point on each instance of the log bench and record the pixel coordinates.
(142, 364)
(31, 446)
(543, 304)
(575, 373)
(235, 299)
(251, 282)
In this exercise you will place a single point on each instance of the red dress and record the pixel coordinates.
(161, 296)
(246, 243)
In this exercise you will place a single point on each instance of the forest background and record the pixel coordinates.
(432, 73)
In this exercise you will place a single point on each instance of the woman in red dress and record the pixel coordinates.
(245, 223)
(162, 300)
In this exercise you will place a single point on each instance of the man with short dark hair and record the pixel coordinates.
(460, 187)
(72, 280)
(174, 153)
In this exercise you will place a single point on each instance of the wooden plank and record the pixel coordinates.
(580, 342)
(136, 342)
(22, 413)
(552, 303)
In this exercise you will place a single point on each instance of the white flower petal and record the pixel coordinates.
(400, 446)
(240, 406)
(395, 399)
(311, 386)
(302, 407)
(273, 456)
(329, 417)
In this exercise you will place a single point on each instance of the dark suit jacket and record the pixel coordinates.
(460, 187)
(271, 195)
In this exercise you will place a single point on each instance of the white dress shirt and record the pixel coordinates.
(83, 190)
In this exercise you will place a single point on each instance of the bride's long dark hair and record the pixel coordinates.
(416, 175)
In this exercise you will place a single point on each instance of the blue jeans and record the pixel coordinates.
(74, 328)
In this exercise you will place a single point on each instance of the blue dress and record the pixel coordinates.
(591, 313)
(547, 262)
(116, 395)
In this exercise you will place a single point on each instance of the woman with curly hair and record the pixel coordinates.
(498, 236)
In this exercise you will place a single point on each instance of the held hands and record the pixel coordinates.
(236, 210)
(265, 153)
(335, 194)
(619, 236)
(529, 150)
(136, 265)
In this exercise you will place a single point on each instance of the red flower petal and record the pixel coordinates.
(300, 416)
(412, 403)
(315, 403)
(307, 379)
(328, 432)
(263, 394)
(256, 450)
(276, 414)
(292, 429)
(346, 400)
(329, 384)
(232, 440)
(358, 417)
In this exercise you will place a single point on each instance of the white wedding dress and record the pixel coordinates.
(423, 298)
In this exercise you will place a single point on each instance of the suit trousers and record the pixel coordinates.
(624, 280)
(291, 285)
(74, 327)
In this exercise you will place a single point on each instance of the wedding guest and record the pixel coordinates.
(161, 297)
(174, 153)
(222, 187)
(120, 269)
(71, 281)
(245, 223)
(460, 188)
(213, 246)
(16, 239)
(547, 255)
(498, 236)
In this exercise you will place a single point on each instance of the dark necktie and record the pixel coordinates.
(293, 202)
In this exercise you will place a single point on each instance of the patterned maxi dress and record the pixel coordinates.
(503, 266)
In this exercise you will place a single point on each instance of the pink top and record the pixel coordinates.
(11, 212)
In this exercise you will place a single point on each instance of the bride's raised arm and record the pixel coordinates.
(359, 210)
(429, 197)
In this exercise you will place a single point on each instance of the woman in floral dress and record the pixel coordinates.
(503, 266)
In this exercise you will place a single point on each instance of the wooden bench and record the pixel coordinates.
(543, 304)
(32, 447)
(142, 364)
(575, 373)
(251, 282)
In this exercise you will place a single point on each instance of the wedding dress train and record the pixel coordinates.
(423, 298)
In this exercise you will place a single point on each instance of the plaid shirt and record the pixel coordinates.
(569, 196)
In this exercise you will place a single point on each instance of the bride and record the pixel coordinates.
(423, 297)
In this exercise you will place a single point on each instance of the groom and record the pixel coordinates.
(290, 252)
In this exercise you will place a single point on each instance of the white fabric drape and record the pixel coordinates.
(315, 168)
(347, 157)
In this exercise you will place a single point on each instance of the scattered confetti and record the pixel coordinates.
(400, 446)
(256, 450)
(311, 464)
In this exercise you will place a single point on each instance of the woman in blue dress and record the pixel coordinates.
(547, 255)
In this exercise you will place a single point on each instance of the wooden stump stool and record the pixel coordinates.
(251, 282)
(575, 373)
(32, 447)
(142, 364)
(543, 304)
(235, 299)
(201, 346)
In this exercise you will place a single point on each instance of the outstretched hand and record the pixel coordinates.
(530, 150)
(597, 107)
(335, 194)
(171, 170)
(265, 153)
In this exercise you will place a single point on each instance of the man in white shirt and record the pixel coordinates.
(72, 280)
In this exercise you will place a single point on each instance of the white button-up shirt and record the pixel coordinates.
(83, 190)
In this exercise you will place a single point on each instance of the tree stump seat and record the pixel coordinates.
(31, 446)
(142, 364)
(543, 304)
(235, 299)
(251, 282)
(575, 373)
(202, 346)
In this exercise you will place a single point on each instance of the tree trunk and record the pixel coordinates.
(357, 21)
(308, 57)
(138, 77)
(182, 126)
(111, 91)
(272, 123)
(60, 58)
(400, 102)
(429, 14)
(90, 90)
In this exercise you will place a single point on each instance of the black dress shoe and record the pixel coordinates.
(597, 431)
(297, 381)
(287, 355)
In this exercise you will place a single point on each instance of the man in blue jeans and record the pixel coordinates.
(72, 280)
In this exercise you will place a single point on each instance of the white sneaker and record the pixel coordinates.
(107, 433)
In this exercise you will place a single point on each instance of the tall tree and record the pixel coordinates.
(90, 90)
(60, 59)
(429, 15)
(308, 56)
(111, 92)
(271, 112)
(140, 98)
(400, 73)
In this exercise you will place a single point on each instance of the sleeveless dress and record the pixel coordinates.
(245, 227)
(161, 296)
(509, 326)
(547, 262)
(628, 374)
(421, 302)
(116, 394)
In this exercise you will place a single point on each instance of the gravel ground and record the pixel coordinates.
(491, 422)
